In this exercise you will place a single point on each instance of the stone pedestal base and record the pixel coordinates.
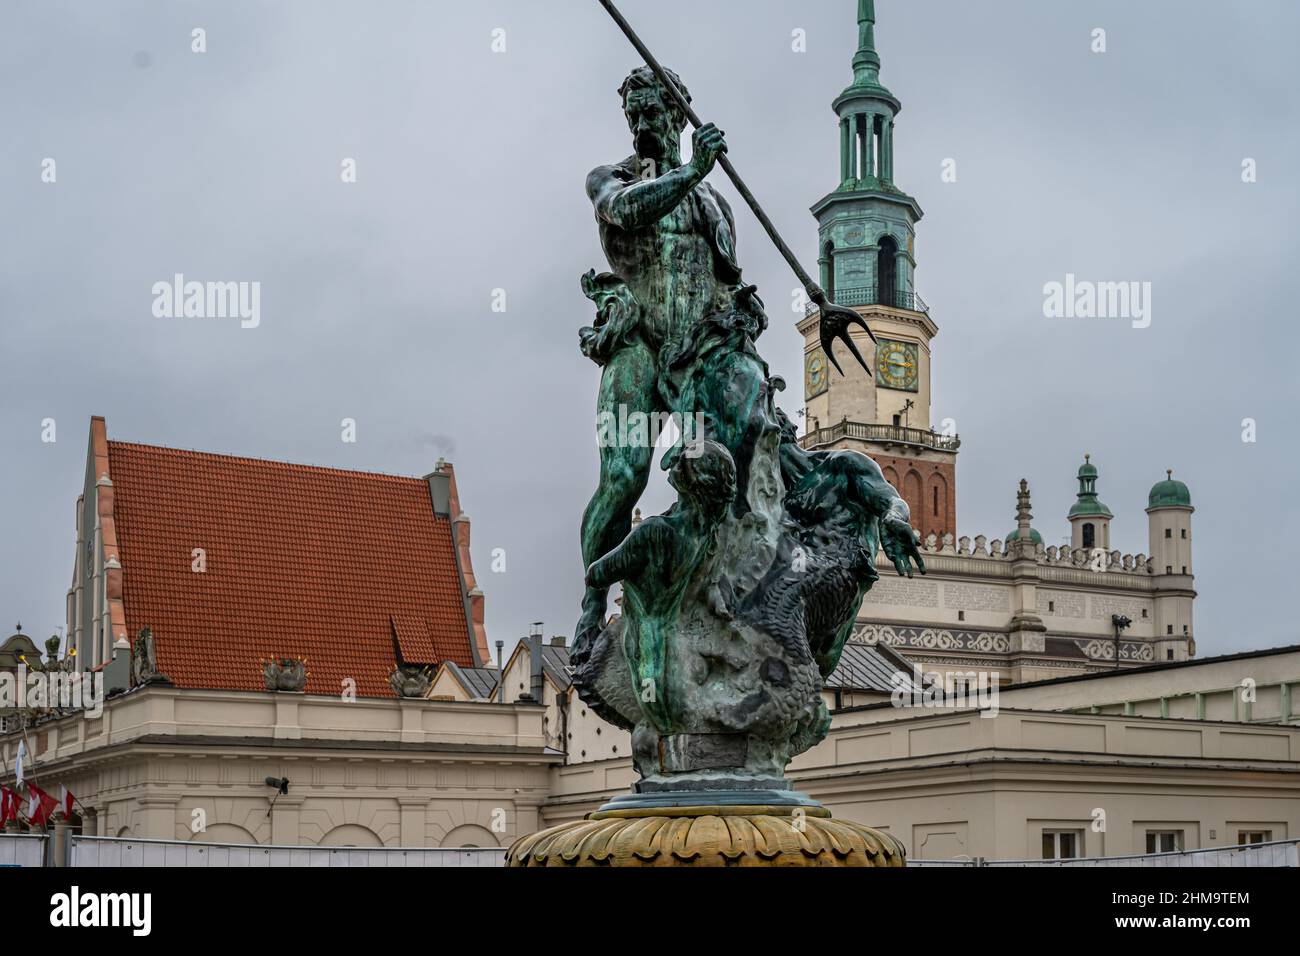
(708, 836)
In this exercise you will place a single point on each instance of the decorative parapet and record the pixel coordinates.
(881, 434)
(1094, 559)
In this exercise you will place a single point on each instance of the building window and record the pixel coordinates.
(1182, 533)
(1184, 569)
(898, 421)
(1246, 837)
(961, 615)
(1062, 844)
(1051, 607)
(1169, 532)
(1164, 841)
(887, 272)
(1184, 628)
(1169, 569)
(935, 492)
(1144, 612)
(829, 253)
(1169, 654)
(1169, 629)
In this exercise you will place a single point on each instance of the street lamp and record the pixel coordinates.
(1120, 623)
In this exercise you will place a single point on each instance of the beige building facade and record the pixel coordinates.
(960, 785)
(172, 764)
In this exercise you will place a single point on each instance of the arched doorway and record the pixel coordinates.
(887, 272)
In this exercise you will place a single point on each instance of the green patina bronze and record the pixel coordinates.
(738, 600)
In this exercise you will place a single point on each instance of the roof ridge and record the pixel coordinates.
(331, 469)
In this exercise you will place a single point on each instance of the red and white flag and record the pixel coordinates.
(8, 805)
(66, 798)
(40, 806)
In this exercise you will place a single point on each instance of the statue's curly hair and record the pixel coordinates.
(705, 473)
(643, 78)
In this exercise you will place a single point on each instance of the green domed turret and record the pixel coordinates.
(1088, 505)
(1169, 494)
(1034, 536)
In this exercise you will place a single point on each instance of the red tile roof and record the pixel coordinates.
(339, 567)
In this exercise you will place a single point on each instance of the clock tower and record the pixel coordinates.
(867, 252)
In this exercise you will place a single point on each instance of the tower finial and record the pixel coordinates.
(1023, 514)
(866, 62)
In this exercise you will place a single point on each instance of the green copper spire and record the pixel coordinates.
(867, 224)
(866, 62)
(1088, 503)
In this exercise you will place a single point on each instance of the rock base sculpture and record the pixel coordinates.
(707, 836)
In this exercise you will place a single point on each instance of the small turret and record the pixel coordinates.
(1089, 518)
(1169, 517)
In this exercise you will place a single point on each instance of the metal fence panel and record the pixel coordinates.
(22, 850)
(124, 851)
(1278, 853)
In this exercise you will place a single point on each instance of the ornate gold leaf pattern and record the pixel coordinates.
(708, 836)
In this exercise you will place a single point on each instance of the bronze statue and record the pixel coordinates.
(669, 238)
(737, 601)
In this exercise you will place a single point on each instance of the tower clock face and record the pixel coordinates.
(897, 365)
(814, 373)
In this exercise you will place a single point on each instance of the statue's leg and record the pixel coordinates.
(626, 387)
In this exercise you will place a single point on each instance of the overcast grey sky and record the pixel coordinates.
(377, 296)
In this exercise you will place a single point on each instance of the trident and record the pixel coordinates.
(835, 319)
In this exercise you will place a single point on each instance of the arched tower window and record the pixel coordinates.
(1089, 535)
(887, 272)
(912, 494)
(940, 494)
(828, 253)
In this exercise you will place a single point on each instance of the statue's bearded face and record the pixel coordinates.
(656, 127)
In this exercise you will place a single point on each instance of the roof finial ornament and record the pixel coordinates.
(866, 62)
(20, 627)
(1023, 515)
(1087, 457)
(1169, 472)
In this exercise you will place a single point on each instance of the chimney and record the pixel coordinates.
(440, 489)
(534, 643)
(559, 640)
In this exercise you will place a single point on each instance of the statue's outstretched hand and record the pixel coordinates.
(899, 541)
(707, 145)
